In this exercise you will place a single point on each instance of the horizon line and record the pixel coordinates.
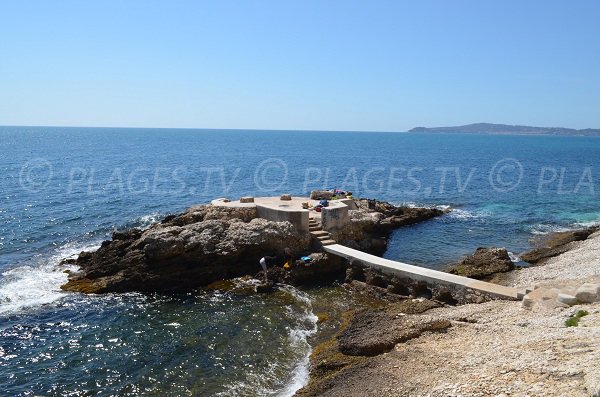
(200, 128)
(317, 130)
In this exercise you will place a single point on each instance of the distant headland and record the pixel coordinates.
(488, 128)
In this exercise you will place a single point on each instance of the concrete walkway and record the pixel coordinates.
(417, 273)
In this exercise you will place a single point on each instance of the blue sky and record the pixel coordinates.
(324, 65)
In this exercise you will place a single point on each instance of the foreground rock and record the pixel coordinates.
(209, 243)
(492, 349)
(368, 333)
(375, 332)
(556, 244)
(485, 262)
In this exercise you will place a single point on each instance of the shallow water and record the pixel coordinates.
(205, 343)
(63, 190)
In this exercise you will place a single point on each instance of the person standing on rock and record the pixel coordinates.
(270, 261)
(265, 262)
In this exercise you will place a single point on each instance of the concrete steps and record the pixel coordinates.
(318, 233)
(316, 230)
(328, 242)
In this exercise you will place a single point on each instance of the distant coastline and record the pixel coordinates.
(504, 129)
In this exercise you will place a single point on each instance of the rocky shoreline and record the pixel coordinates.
(379, 348)
(414, 346)
(208, 243)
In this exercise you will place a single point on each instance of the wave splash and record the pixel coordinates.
(547, 228)
(38, 284)
(303, 325)
(299, 341)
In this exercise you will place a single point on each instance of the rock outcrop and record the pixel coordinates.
(202, 245)
(485, 262)
(208, 243)
(373, 221)
(367, 333)
(374, 332)
(392, 216)
(556, 244)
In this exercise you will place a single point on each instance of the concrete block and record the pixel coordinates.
(527, 302)
(588, 293)
(567, 299)
(247, 200)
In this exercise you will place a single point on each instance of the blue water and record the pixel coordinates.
(66, 189)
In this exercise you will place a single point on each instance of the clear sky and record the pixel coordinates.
(330, 65)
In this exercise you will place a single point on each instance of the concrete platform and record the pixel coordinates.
(418, 273)
(295, 204)
(277, 210)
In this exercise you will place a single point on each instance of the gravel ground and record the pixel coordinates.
(581, 262)
(496, 348)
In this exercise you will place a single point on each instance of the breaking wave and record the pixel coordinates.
(31, 286)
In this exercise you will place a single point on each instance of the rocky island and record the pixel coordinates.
(504, 129)
(211, 242)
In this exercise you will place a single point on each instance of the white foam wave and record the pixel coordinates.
(27, 286)
(457, 213)
(412, 204)
(546, 228)
(34, 285)
(514, 258)
(408, 204)
(587, 224)
(298, 338)
(453, 213)
(305, 325)
(148, 220)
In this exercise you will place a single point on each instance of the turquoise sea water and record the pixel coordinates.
(66, 189)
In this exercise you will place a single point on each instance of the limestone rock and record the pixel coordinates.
(321, 267)
(528, 302)
(483, 263)
(588, 293)
(373, 221)
(374, 332)
(195, 248)
(207, 243)
(321, 195)
(544, 298)
(567, 299)
(555, 244)
(375, 278)
(396, 216)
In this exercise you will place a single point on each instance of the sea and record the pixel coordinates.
(65, 190)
